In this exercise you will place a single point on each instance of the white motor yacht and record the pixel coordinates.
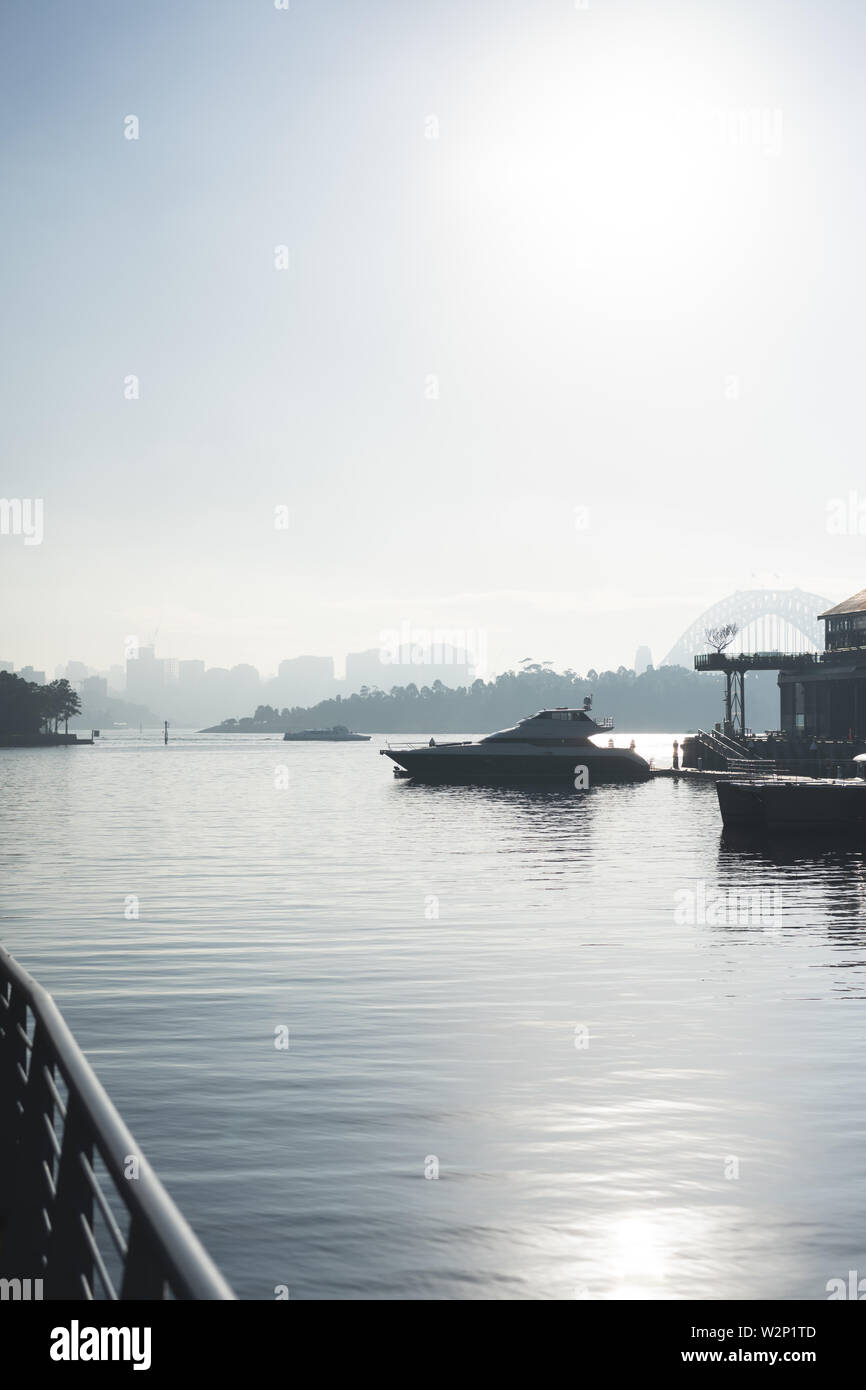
(554, 744)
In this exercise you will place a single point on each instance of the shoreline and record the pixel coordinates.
(45, 741)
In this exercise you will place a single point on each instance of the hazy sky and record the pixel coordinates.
(541, 258)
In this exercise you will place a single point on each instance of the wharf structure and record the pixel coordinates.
(822, 703)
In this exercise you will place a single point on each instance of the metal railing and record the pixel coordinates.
(755, 661)
(753, 767)
(72, 1177)
(457, 743)
(722, 744)
(778, 661)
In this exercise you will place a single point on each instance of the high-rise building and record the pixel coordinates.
(8, 666)
(187, 702)
(303, 680)
(642, 659)
(145, 680)
(243, 688)
(29, 673)
(373, 668)
(93, 688)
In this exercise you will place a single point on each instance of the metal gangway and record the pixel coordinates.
(81, 1210)
(722, 744)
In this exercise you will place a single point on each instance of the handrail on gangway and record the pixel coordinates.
(50, 1181)
(754, 767)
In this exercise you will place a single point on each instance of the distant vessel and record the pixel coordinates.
(338, 734)
(553, 744)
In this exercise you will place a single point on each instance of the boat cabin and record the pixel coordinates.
(547, 725)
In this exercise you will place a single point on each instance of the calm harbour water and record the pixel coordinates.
(629, 1091)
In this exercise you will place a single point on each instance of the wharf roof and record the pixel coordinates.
(855, 604)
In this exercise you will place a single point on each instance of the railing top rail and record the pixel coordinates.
(720, 740)
(186, 1260)
(425, 743)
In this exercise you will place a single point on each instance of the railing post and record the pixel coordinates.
(27, 1235)
(141, 1274)
(13, 1054)
(69, 1256)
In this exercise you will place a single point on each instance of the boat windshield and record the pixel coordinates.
(567, 714)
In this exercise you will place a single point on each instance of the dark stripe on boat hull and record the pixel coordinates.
(444, 767)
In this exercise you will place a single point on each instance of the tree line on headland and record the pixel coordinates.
(31, 711)
(662, 700)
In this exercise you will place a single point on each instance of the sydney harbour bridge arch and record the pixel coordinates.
(767, 619)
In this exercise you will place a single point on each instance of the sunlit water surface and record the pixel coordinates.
(629, 1085)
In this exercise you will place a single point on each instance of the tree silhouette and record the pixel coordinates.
(26, 709)
(720, 637)
(668, 698)
(70, 703)
(61, 702)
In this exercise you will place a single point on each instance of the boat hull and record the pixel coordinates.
(602, 766)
